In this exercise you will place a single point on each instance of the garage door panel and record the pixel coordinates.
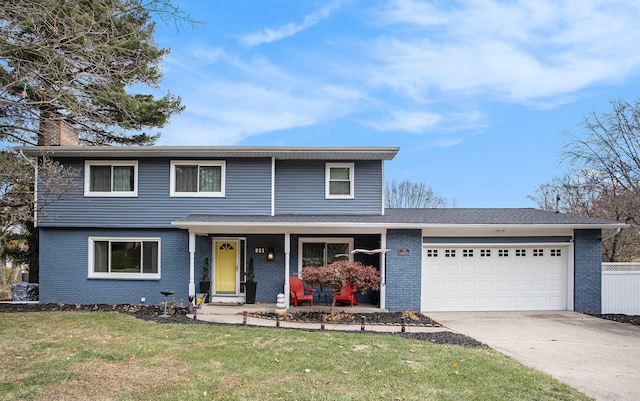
(485, 285)
(538, 285)
(467, 286)
(492, 278)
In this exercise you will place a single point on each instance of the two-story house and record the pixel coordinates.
(143, 220)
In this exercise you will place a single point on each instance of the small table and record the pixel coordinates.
(326, 295)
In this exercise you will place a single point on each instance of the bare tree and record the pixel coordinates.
(591, 193)
(611, 145)
(605, 181)
(408, 194)
(18, 235)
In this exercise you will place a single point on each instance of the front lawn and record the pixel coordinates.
(102, 356)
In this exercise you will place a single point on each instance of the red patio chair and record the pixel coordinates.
(347, 295)
(297, 292)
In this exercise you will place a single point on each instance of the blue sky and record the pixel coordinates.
(475, 93)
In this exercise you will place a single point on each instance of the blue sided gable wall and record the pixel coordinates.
(64, 269)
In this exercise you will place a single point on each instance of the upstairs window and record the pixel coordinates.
(136, 258)
(197, 178)
(110, 178)
(339, 181)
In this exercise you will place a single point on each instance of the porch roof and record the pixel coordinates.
(402, 219)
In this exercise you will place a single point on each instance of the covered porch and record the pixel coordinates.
(276, 248)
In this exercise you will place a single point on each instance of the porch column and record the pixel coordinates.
(192, 257)
(287, 252)
(383, 271)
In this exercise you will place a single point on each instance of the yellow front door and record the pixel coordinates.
(226, 259)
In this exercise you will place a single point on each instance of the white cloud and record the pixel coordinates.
(269, 35)
(406, 121)
(225, 113)
(525, 51)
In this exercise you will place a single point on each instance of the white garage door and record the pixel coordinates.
(494, 278)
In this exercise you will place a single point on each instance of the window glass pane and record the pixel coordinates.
(123, 178)
(339, 187)
(341, 250)
(210, 178)
(312, 254)
(186, 178)
(125, 257)
(339, 173)
(100, 178)
(101, 256)
(150, 257)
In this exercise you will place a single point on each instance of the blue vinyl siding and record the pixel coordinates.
(248, 188)
(300, 189)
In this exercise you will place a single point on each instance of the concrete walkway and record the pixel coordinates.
(232, 314)
(598, 357)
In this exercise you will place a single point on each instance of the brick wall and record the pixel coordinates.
(404, 273)
(269, 274)
(64, 268)
(57, 132)
(588, 271)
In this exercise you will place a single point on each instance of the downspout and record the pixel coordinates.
(35, 188)
(612, 234)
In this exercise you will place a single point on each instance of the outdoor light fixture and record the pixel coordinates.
(270, 253)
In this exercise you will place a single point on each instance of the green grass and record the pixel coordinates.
(104, 356)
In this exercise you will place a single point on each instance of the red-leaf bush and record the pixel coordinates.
(342, 272)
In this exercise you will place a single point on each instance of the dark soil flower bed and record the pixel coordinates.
(179, 315)
(385, 318)
(634, 320)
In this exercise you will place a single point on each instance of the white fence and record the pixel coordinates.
(621, 288)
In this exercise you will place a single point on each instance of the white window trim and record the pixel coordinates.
(328, 167)
(127, 276)
(172, 181)
(330, 240)
(87, 177)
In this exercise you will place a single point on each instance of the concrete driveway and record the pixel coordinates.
(598, 357)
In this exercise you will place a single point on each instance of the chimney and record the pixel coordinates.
(57, 132)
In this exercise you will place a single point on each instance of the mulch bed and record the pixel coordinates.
(634, 320)
(383, 318)
(179, 315)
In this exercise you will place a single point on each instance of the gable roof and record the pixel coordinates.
(278, 152)
(409, 219)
